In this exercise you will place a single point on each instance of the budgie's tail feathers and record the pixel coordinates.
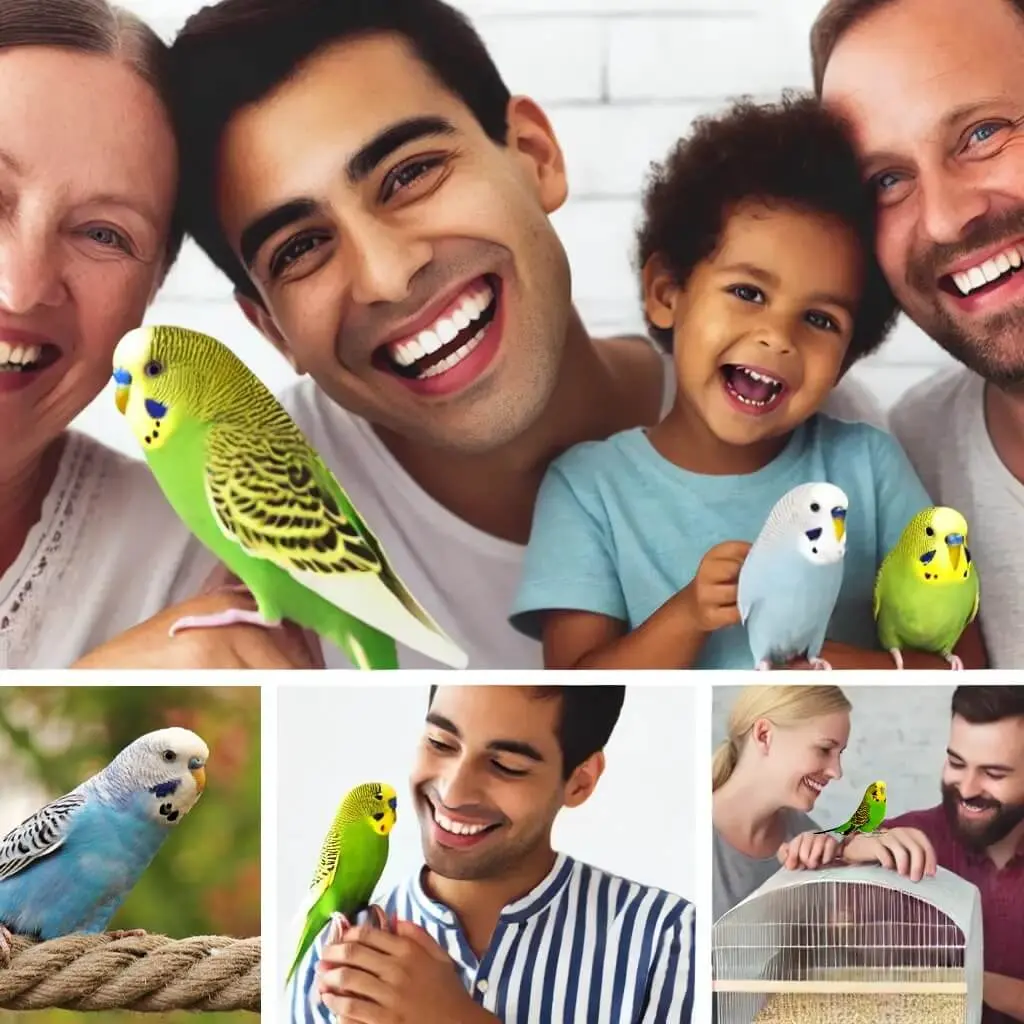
(367, 597)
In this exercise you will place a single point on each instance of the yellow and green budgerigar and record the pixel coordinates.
(352, 860)
(927, 590)
(241, 475)
(869, 815)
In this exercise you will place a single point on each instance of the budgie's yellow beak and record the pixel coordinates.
(123, 379)
(955, 544)
(839, 522)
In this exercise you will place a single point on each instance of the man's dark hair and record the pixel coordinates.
(233, 54)
(983, 705)
(588, 716)
(792, 154)
(837, 17)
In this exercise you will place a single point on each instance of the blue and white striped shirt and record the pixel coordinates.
(584, 947)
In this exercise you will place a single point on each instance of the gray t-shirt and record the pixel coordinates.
(736, 875)
(941, 425)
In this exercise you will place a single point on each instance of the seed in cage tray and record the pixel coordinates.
(891, 1008)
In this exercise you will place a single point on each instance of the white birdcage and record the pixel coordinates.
(857, 945)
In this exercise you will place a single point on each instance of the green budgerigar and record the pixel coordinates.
(352, 860)
(927, 590)
(869, 814)
(241, 475)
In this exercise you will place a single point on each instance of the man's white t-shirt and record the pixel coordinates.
(465, 578)
(107, 552)
(941, 425)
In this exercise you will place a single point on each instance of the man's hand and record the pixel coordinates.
(711, 595)
(370, 976)
(907, 851)
(809, 850)
(150, 645)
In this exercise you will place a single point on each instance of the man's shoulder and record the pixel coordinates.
(932, 821)
(670, 909)
(934, 402)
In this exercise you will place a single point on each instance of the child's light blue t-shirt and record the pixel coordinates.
(618, 529)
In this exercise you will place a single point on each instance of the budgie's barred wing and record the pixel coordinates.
(861, 815)
(39, 835)
(276, 498)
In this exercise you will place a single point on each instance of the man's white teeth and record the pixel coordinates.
(991, 270)
(18, 357)
(456, 357)
(457, 828)
(443, 331)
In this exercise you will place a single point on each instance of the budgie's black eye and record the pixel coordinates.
(815, 507)
(153, 369)
(169, 755)
(929, 531)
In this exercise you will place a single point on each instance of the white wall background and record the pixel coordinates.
(621, 80)
(377, 732)
(897, 734)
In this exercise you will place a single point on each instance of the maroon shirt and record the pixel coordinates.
(1002, 894)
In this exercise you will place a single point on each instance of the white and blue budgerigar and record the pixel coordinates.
(70, 865)
(790, 580)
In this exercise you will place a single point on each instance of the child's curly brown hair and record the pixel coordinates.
(794, 153)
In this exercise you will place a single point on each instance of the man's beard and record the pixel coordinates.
(981, 835)
(994, 346)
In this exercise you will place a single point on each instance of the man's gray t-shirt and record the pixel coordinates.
(736, 875)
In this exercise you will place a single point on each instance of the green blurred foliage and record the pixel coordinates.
(206, 878)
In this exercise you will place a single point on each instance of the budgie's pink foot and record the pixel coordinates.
(129, 933)
(230, 617)
(764, 665)
(819, 664)
(955, 663)
(897, 657)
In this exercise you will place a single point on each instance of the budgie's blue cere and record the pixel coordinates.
(790, 580)
(70, 865)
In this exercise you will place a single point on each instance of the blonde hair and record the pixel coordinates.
(783, 706)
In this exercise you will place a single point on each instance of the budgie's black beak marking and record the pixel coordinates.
(954, 538)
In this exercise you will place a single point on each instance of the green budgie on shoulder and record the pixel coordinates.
(352, 860)
(241, 475)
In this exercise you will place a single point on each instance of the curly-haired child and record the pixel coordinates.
(759, 273)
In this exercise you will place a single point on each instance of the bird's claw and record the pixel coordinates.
(230, 617)
(955, 662)
(897, 657)
(819, 664)
(128, 933)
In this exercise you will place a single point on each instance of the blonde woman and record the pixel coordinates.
(784, 746)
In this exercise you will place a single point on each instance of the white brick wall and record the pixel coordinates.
(898, 734)
(620, 80)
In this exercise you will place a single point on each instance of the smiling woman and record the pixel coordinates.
(88, 173)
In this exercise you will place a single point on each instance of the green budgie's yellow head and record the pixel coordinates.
(875, 792)
(375, 803)
(934, 544)
(167, 374)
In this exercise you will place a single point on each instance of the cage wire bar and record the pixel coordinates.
(851, 944)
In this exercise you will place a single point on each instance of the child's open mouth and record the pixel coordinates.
(753, 390)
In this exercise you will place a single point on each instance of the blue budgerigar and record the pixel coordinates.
(790, 580)
(70, 865)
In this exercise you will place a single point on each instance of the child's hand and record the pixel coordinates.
(711, 595)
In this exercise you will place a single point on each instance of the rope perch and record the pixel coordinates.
(146, 973)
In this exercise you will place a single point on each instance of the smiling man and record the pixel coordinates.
(947, 164)
(381, 204)
(498, 926)
(977, 832)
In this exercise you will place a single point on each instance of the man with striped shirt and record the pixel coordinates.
(498, 926)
